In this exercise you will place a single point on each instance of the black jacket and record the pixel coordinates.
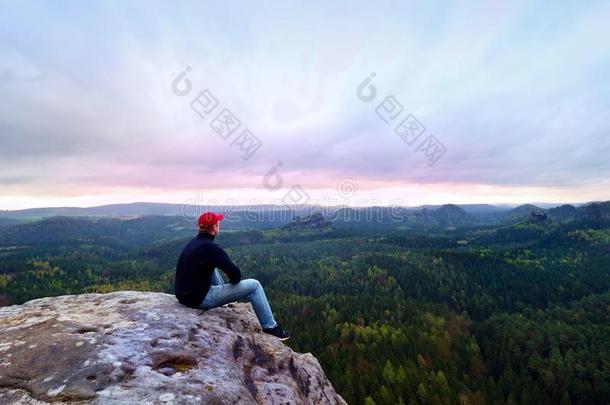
(195, 267)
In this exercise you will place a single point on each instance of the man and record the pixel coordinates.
(199, 284)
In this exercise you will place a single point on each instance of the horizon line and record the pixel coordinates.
(302, 206)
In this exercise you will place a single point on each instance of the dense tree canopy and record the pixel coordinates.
(513, 313)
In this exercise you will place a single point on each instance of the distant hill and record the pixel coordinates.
(8, 221)
(597, 211)
(450, 214)
(103, 210)
(272, 216)
(314, 221)
(524, 209)
(145, 209)
(563, 213)
(61, 229)
(483, 208)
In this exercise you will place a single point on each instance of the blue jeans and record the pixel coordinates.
(247, 290)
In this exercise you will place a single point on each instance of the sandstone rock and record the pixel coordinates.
(143, 347)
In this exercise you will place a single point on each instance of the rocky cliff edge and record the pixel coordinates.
(144, 347)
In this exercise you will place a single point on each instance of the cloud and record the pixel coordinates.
(518, 96)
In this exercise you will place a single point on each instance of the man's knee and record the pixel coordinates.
(252, 284)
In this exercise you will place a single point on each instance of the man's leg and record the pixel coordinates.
(217, 278)
(246, 290)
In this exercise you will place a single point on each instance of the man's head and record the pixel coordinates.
(209, 222)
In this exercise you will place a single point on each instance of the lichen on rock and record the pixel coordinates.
(145, 347)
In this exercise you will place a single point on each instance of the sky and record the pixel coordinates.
(123, 101)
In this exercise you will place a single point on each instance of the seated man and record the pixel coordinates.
(199, 285)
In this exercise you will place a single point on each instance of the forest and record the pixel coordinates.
(506, 312)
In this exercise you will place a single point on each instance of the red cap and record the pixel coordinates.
(209, 218)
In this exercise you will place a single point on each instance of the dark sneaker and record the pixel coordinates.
(278, 332)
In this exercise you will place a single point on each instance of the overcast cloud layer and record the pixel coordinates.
(518, 93)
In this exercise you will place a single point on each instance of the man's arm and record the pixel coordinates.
(224, 263)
